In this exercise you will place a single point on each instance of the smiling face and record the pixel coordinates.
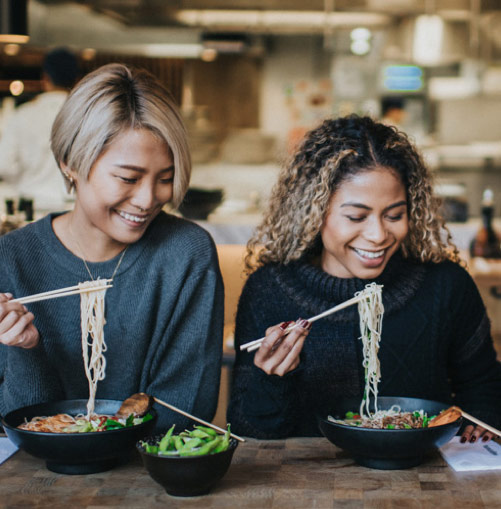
(126, 188)
(365, 224)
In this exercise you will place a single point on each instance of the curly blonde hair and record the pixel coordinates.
(329, 155)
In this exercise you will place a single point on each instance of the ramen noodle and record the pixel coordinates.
(93, 345)
(371, 312)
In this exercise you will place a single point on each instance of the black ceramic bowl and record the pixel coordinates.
(76, 453)
(388, 449)
(187, 476)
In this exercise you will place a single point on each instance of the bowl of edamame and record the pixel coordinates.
(190, 463)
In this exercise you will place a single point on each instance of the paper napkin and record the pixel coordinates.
(476, 456)
(7, 449)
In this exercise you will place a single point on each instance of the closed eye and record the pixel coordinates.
(396, 218)
(127, 180)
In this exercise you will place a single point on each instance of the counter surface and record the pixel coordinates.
(293, 473)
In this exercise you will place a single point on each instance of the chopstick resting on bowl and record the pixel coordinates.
(254, 345)
(62, 292)
(197, 419)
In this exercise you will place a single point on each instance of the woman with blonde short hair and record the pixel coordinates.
(121, 146)
(355, 206)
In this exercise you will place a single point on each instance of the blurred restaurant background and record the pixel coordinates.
(252, 76)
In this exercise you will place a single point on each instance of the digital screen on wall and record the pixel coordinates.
(403, 78)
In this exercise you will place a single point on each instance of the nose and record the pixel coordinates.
(144, 197)
(376, 231)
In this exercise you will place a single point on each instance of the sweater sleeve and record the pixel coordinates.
(23, 368)
(475, 373)
(261, 405)
(186, 367)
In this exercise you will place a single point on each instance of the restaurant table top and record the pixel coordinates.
(292, 473)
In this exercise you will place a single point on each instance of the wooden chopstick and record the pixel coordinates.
(479, 422)
(62, 292)
(197, 419)
(254, 345)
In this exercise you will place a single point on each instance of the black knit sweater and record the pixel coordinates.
(435, 344)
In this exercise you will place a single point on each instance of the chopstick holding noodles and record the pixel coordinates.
(62, 292)
(254, 345)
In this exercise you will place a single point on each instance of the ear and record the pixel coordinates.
(70, 176)
(67, 171)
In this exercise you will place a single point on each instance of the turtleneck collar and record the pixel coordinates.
(311, 287)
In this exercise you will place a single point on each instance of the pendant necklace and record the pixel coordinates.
(85, 263)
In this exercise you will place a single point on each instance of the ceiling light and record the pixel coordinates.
(13, 21)
(16, 87)
(267, 20)
(11, 49)
(208, 54)
(167, 50)
(428, 39)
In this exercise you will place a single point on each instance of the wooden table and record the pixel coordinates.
(295, 473)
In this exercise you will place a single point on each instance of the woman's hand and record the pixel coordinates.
(279, 353)
(474, 433)
(16, 324)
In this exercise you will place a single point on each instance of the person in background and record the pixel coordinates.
(355, 206)
(122, 146)
(26, 161)
(393, 111)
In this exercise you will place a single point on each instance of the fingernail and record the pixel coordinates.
(485, 438)
(472, 439)
(25, 309)
(284, 325)
(463, 440)
(305, 324)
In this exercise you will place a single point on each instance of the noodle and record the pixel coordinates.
(92, 324)
(371, 312)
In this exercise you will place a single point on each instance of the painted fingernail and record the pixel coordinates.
(305, 324)
(485, 438)
(284, 325)
(463, 440)
(472, 439)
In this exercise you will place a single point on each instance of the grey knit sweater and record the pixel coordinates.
(435, 344)
(164, 319)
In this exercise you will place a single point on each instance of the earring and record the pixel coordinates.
(70, 180)
(68, 176)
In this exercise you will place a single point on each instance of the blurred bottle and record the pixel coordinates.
(9, 220)
(486, 242)
(26, 206)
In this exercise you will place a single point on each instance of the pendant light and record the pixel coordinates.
(13, 21)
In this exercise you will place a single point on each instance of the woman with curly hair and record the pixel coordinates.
(356, 206)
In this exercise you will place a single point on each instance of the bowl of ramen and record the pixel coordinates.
(71, 445)
(400, 436)
(190, 463)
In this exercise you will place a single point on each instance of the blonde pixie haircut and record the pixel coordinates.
(334, 153)
(108, 102)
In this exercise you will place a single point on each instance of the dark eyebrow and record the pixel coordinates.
(141, 170)
(365, 207)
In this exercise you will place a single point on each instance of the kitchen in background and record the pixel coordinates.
(253, 76)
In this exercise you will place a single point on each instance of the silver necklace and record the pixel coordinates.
(83, 257)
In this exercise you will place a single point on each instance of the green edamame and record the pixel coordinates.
(200, 441)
